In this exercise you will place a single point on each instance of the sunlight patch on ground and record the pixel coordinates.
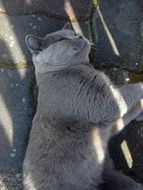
(108, 33)
(127, 154)
(71, 14)
(3, 186)
(6, 121)
(28, 2)
(95, 2)
(11, 43)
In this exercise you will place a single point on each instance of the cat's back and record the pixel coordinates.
(73, 77)
(60, 91)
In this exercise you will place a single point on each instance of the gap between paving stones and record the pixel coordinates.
(19, 65)
(49, 15)
(30, 64)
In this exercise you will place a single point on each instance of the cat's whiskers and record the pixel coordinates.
(93, 47)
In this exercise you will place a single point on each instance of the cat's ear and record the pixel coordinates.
(67, 26)
(34, 43)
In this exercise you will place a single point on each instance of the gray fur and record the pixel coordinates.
(78, 108)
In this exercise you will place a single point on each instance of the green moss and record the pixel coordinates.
(19, 65)
(135, 77)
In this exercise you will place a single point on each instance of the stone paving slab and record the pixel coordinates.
(16, 113)
(64, 8)
(15, 28)
(119, 38)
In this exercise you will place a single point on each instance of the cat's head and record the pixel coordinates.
(58, 50)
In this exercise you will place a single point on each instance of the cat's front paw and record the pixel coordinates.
(139, 117)
(141, 85)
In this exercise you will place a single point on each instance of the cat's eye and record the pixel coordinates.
(61, 39)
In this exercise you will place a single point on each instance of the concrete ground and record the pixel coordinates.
(116, 29)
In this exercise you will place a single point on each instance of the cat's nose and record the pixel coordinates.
(79, 36)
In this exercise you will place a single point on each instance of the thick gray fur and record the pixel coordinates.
(78, 108)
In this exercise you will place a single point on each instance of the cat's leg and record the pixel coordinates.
(131, 93)
(106, 107)
(113, 179)
(121, 102)
(126, 98)
(136, 110)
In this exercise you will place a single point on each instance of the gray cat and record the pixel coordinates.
(78, 110)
